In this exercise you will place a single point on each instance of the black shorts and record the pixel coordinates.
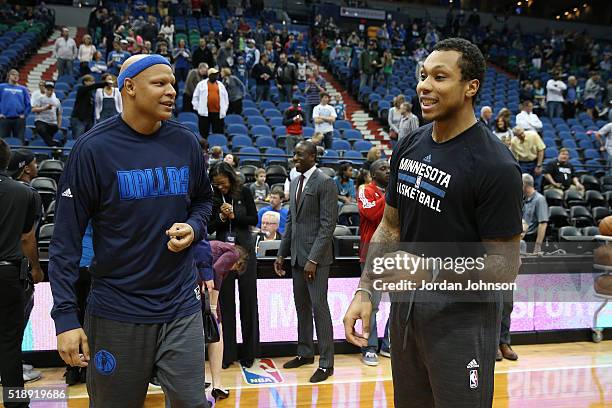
(447, 357)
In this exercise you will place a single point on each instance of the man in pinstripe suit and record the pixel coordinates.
(308, 237)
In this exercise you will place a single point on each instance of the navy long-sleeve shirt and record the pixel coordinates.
(132, 187)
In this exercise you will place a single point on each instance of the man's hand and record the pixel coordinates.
(538, 170)
(558, 185)
(37, 274)
(69, 343)
(402, 268)
(359, 309)
(278, 266)
(209, 284)
(310, 270)
(181, 236)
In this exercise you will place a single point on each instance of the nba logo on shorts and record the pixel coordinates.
(473, 379)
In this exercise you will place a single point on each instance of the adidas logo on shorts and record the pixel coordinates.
(473, 364)
(67, 193)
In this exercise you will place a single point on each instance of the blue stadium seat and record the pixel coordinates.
(239, 141)
(233, 119)
(280, 159)
(256, 121)
(217, 140)
(13, 141)
(343, 124)
(249, 155)
(307, 131)
(362, 146)
(250, 112)
(330, 157)
(265, 141)
(237, 129)
(272, 113)
(340, 144)
(353, 157)
(263, 105)
(280, 131)
(590, 154)
(551, 153)
(188, 117)
(261, 130)
(569, 143)
(352, 134)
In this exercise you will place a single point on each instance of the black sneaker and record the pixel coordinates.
(247, 362)
(219, 393)
(72, 375)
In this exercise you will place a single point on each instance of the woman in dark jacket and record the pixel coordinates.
(234, 212)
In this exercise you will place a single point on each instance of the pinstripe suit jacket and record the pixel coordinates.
(310, 223)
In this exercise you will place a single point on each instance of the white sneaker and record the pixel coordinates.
(370, 358)
(385, 353)
(27, 367)
(31, 376)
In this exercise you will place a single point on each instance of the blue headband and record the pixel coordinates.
(139, 66)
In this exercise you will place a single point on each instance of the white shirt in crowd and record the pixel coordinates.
(86, 52)
(65, 49)
(554, 91)
(528, 121)
(49, 115)
(324, 111)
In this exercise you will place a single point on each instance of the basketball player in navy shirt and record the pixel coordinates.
(453, 185)
(141, 181)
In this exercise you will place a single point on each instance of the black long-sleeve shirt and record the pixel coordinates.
(245, 215)
(83, 104)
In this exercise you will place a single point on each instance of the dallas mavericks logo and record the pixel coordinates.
(105, 362)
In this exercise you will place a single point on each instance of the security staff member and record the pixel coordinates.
(17, 214)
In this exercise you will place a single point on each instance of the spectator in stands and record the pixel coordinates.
(526, 119)
(135, 41)
(263, 77)
(233, 212)
(486, 116)
(340, 107)
(259, 188)
(85, 54)
(108, 99)
(573, 97)
(539, 97)
(149, 31)
(324, 116)
(48, 110)
(231, 160)
(269, 228)
(163, 50)
(371, 205)
(182, 61)
(387, 68)
(116, 58)
(502, 130)
(555, 88)
(368, 65)
(216, 155)
(167, 30)
(395, 116)
(606, 132)
(346, 192)
(409, 121)
(210, 100)
(312, 91)
(293, 120)
(14, 107)
(526, 93)
(193, 79)
(236, 90)
(277, 196)
(98, 65)
(65, 51)
(202, 54)
(286, 78)
(535, 212)
(39, 92)
(528, 148)
(225, 58)
(592, 92)
(82, 117)
(375, 153)
(560, 174)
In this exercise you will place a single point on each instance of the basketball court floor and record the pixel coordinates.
(571, 375)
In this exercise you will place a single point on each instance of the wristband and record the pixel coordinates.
(363, 290)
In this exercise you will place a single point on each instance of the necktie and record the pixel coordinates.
(299, 189)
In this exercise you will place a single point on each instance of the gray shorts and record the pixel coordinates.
(125, 356)
(449, 354)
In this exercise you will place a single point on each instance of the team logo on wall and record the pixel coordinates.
(263, 371)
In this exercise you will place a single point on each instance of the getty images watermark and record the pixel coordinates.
(400, 264)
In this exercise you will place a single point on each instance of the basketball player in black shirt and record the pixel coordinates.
(453, 184)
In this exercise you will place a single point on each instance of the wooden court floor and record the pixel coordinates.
(572, 375)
